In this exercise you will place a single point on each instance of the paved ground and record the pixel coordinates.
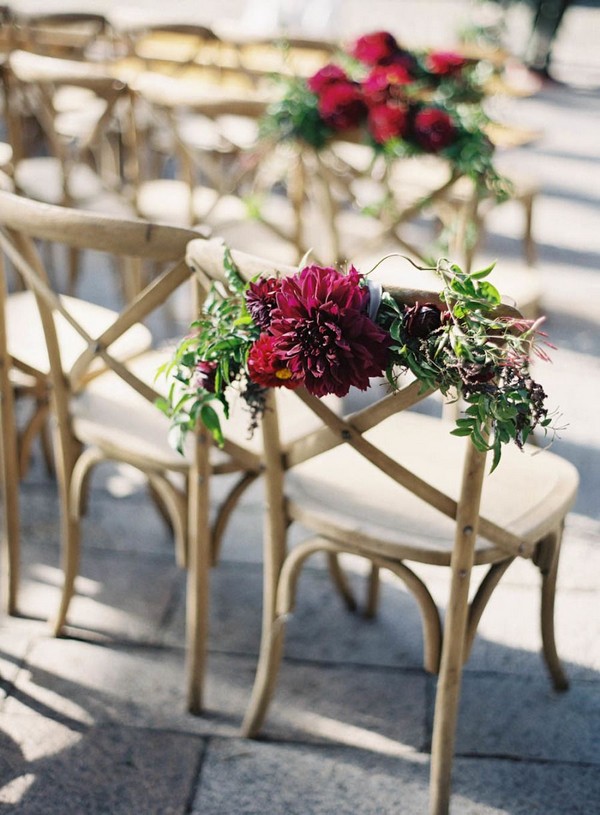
(94, 724)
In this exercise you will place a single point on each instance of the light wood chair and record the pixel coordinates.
(369, 484)
(83, 148)
(102, 398)
(63, 34)
(26, 376)
(201, 141)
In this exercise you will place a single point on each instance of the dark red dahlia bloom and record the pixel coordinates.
(421, 320)
(327, 75)
(205, 374)
(444, 63)
(261, 298)
(342, 106)
(388, 122)
(433, 129)
(268, 368)
(375, 48)
(385, 82)
(323, 334)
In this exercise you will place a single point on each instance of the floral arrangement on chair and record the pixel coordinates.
(400, 102)
(329, 330)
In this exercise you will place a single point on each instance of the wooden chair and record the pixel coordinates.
(202, 140)
(102, 399)
(26, 376)
(368, 484)
(64, 34)
(70, 125)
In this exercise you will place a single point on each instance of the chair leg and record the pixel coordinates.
(271, 651)
(70, 565)
(198, 572)
(70, 529)
(372, 603)
(448, 696)
(455, 635)
(340, 581)
(548, 565)
(10, 559)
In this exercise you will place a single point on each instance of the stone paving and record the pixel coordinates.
(94, 724)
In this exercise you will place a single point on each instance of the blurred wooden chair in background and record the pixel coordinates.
(70, 126)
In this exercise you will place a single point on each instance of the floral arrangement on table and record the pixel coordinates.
(400, 102)
(329, 330)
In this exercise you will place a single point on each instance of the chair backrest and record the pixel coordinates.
(73, 129)
(60, 34)
(23, 222)
(210, 132)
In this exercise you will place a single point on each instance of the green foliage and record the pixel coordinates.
(475, 350)
(477, 354)
(295, 116)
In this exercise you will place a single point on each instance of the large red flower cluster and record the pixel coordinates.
(317, 332)
(385, 99)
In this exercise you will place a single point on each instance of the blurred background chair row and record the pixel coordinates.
(164, 121)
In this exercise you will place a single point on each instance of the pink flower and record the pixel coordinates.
(375, 48)
(321, 333)
(387, 122)
(341, 105)
(261, 298)
(268, 368)
(433, 129)
(444, 63)
(384, 82)
(327, 75)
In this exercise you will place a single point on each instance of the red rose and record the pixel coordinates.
(387, 122)
(433, 129)
(374, 48)
(444, 63)
(385, 81)
(342, 106)
(269, 369)
(326, 76)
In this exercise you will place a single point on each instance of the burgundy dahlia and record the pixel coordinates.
(328, 75)
(341, 105)
(387, 122)
(261, 298)
(205, 374)
(322, 334)
(433, 129)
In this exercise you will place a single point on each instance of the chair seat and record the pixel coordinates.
(25, 336)
(340, 489)
(168, 200)
(41, 178)
(142, 430)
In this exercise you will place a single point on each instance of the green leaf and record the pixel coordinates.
(490, 292)
(210, 420)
